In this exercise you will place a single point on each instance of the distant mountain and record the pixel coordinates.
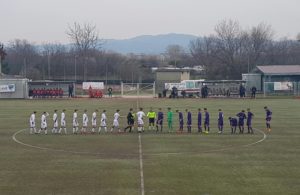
(148, 44)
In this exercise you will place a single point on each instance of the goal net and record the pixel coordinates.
(137, 90)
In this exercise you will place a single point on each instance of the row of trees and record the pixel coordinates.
(232, 50)
(226, 54)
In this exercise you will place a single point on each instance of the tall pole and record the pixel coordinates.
(248, 64)
(48, 60)
(0, 65)
(25, 67)
(106, 75)
(75, 70)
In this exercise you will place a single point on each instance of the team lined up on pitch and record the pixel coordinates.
(155, 121)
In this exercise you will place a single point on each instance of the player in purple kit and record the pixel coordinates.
(250, 116)
(189, 121)
(233, 123)
(180, 117)
(206, 121)
(220, 121)
(160, 119)
(268, 118)
(199, 121)
(242, 117)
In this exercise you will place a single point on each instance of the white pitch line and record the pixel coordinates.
(56, 150)
(141, 157)
(141, 166)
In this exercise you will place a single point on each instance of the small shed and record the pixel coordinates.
(272, 73)
(174, 75)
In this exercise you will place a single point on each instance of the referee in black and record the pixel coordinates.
(130, 120)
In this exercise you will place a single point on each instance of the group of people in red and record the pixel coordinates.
(47, 93)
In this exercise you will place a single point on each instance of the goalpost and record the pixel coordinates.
(138, 90)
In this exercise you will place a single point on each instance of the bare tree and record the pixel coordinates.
(85, 39)
(174, 54)
(23, 56)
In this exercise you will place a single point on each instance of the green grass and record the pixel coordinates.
(173, 164)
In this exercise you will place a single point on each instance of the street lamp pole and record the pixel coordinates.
(48, 59)
(75, 70)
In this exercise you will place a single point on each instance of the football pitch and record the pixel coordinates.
(150, 163)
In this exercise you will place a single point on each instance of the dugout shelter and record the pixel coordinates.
(57, 88)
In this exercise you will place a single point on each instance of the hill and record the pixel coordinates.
(147, 44)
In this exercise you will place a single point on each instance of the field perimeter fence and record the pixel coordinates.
(281, 89)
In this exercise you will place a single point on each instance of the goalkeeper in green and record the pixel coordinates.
(170, 119)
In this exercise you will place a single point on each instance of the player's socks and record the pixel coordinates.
(46, 132)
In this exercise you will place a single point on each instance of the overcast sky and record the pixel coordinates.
(47, 20)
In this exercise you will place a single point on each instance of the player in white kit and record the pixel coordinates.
(140, 115)
(103, 122)
(44, 122)
(32, 123)
(55, 122)
(85, 121)
(75, 122)
(94, 121)
(63, 122)
(116, 121)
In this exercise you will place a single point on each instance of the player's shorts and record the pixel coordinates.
(130, 122)
(140, 122)
(241, 123)
(75, 123)
(32, 124)
(94, 123)
(43, 125)
(220, 123)
(159, 122)
(84, 124)
(249, 123)
(116, 123)
(181, 125)
(55, 124)
(103, 124)
(151, 120)
(63, 123)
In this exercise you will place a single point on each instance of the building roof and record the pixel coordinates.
(172, 70)
(280, 69)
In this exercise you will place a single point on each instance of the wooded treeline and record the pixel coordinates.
(225, 54)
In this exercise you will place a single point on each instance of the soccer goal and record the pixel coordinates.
(137, 90)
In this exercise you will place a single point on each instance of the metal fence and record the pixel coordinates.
(281, 89)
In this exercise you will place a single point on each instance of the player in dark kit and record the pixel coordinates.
(180, 118)
(189, 121)
(250, 116)
(268, 118)
(130, 120)
(160, 119)
(206, 121)
(199, 121)
(242, 117)
(233, 123)
(220, 121)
